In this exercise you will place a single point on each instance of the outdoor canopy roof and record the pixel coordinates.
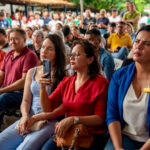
(41, 2)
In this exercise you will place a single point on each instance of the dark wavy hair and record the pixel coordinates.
(90, 51)
(144, 28)
(60, 60)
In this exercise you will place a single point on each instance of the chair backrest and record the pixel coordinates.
(118, 63)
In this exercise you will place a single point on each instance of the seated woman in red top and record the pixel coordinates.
(83, 97)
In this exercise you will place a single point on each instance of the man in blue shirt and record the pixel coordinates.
(105, 57)
(45, 17)
(4, 23)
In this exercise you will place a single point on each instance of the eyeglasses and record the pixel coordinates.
(74, 55)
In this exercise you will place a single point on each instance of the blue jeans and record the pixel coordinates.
(127, 144)
(103, 31)
(121, 54)
(8, 99)
(10, 139)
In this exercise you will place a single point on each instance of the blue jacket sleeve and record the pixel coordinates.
(112, 102)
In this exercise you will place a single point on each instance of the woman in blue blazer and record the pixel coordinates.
(128, 107)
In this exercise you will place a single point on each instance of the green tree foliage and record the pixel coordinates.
(109, 4)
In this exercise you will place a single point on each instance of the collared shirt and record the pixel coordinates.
(4, 23)
(15, 67)
(115, 41)
(90, 98)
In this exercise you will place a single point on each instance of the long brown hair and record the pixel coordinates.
(60, 63)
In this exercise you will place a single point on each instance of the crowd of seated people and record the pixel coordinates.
(84, 86)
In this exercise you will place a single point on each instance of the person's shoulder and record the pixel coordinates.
(124, 71)
(5, 19)
(137, 13)
(28, 51)
(67, 80)
(10, 52)
(126, 14)
(2, 52)
(99, 79)
(127, 35)
(29, 54)
(113, 35)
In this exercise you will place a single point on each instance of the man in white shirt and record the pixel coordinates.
(37, 21)
(53, 22)
(114, 18)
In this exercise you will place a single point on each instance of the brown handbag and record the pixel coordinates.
(76, 136)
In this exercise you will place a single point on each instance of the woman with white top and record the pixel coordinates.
(128, 107)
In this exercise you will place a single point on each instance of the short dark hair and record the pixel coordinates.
(114, 9)
(30, 28)
(20, 31)
(94, 31)
(144, 28)
(90, 51)
(112, 24)
(66, 30)
(121, 22)
(45, 27)
(1, 14)
(2, 31)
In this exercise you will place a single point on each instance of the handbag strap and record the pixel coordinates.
(76, 133)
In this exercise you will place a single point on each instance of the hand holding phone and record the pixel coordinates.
(47, 68)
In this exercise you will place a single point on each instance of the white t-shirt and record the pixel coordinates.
(53, 23)
(15, 23)
(39, 22)
(115, 20)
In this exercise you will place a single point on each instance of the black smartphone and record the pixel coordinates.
(47, 67)
(118, 48)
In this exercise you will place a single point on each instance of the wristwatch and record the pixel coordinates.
(76, 120)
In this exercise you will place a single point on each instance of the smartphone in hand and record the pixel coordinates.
(47, 67)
